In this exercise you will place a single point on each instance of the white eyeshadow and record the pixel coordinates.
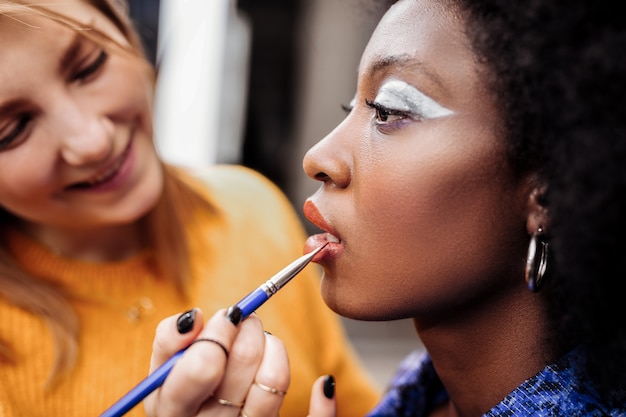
(398, 95)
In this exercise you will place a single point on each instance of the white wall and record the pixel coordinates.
(202, 57)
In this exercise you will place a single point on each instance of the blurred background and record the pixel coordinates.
(257, 82)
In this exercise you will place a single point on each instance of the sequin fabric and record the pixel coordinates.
(558, 390)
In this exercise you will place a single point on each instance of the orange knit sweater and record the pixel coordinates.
(254, 234)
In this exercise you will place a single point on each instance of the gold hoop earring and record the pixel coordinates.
(536, 261)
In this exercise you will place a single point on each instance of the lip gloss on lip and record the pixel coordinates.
(328, 236)
(313, 215)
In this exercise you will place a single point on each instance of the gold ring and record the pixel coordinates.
(271, 390)
(229, 403)
(217, 342)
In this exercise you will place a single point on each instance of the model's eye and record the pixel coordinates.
(92, 67)
(398, 100)
(15, 132)
(384, 115)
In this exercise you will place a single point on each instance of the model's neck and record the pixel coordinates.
(483, 356)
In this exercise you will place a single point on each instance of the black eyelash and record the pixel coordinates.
(377, 106)
(93, 67)
(7, 141)
(346, 108)
(380, 109)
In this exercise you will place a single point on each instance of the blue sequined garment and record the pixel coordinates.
(557, 391)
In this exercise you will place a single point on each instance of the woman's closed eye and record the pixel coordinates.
(15, 131)
(92, 67)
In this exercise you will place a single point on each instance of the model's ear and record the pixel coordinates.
(537, 212)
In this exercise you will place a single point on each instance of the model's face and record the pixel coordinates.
(415, 185)
(76, 144)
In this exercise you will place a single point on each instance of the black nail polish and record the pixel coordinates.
(234, 314)
(184, 324)
(329, 387)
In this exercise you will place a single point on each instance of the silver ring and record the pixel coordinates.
(242, 414)
(271, 390)
(229, 403)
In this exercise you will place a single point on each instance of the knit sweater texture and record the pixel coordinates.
(253, 234)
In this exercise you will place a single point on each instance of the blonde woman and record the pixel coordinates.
(100, 240)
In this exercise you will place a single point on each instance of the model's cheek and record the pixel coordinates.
(417, 214)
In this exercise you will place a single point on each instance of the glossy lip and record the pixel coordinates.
(120, 166)
(333, 249)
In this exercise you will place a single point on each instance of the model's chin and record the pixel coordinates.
(338, 300)
(347, 302)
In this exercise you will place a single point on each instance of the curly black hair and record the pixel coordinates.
(558, 68)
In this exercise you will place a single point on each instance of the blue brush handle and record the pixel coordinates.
(252, 301)
(141, 390)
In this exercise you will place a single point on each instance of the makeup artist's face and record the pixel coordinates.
(415, 185)
(75, 124)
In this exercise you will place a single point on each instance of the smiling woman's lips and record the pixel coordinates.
(112, 179)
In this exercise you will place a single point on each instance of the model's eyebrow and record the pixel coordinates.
(71, 53)
(405, 63)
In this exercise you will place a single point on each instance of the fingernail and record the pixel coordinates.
(184, 324)
(234, 314)
(329, 387)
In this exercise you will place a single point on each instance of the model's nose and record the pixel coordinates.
(327, 161)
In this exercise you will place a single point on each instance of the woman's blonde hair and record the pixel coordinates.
(164, 225)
